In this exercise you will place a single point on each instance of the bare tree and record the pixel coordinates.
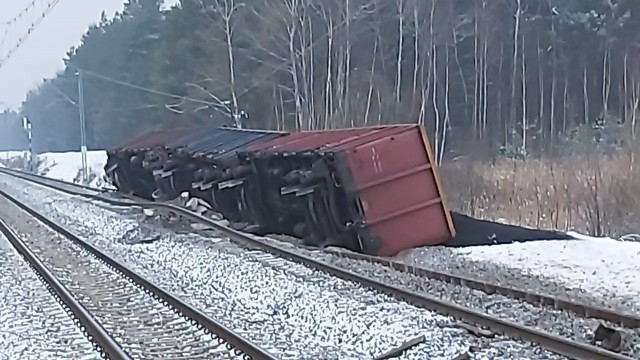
(227, 9)
(401, 14)
(516, 48)
(331, 63)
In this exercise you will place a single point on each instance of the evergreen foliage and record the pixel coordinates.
(511, 74)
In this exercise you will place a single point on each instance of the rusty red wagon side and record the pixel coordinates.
(387, 180)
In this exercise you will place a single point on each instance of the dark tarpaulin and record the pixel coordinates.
(222, 141)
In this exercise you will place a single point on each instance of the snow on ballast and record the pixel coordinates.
(604, 268)
(287, 308)
(142, 324)
(29, 313)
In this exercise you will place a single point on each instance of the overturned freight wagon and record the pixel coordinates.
(164, 164)
(201, 160)
(373, 190)
(125, 167)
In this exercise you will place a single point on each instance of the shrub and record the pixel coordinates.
(591, 194)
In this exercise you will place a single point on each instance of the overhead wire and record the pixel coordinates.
(34, 25)
(8, 23)
(216, 106)
(20, 14)
(5, 35)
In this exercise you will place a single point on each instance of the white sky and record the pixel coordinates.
(41, 54)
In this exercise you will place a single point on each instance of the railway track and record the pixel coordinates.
(23, 292)
(123, 314)
(620, 318)
(557, 344)
(292, 310)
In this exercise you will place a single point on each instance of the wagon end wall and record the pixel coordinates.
(394, 182)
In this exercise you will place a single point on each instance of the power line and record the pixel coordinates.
(20, 14)
(149, 90)
(217, 105)
(7, 24)
(73, 102)
(34, 25)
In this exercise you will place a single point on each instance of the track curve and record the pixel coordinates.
(556, 344)
(122, 287)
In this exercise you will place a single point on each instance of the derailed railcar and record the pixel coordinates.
(265, 173)
(203, 159)
(127, 165)
(162, 164)
(374, 190)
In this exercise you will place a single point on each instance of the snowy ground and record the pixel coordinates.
(603, 267)
(67, 166)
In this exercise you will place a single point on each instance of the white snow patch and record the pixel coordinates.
(6, 155)
(600, 266)
(588, 238)
(68, 165)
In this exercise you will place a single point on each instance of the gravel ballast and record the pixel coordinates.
(34, 324)
(127, 312)
(545, 318)
(285, 307)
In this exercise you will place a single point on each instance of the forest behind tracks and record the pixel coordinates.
(559, 344)
(521, 74)
(532, 105)
(554, 82)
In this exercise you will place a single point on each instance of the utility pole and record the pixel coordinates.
(83, 129)
(26, 124)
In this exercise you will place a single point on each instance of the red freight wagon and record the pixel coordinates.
(389, 176)
(309, 140)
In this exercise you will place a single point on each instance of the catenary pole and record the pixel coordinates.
(83, 129)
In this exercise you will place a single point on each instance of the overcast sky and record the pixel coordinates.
(42, 53)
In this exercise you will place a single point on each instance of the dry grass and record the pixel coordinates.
(590, 194)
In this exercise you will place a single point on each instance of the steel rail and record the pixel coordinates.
(254, 351)
(557, 344)
(624, 319)
(93, 330)
(621, 318)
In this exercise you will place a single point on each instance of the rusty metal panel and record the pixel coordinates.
(391, 173)
(366, 137)
(394, 177)
(309, 140)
